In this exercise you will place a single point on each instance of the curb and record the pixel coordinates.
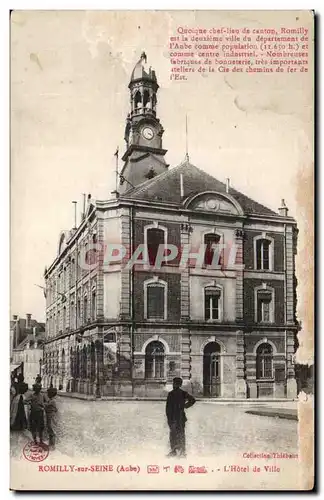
(86, 397)
(276, 414)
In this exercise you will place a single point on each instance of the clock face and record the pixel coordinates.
(147, 133)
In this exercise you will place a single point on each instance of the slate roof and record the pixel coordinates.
(165, 188)
(40, 337)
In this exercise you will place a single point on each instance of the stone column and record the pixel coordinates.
(239, 236)
(125, 312)
(99, 367)
(185, 355)
(100, 274)
(240, 386)
(289, 275)
(251, 375)
(291, 391)
(184, 282)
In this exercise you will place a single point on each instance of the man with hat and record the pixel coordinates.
(177, 401)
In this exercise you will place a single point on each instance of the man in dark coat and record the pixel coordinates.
(177, 401)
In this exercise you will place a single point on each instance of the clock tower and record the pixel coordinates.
(144, 156)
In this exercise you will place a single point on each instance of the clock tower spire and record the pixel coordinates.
(144, 155)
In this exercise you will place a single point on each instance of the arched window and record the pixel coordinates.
(154, 360)
(93, 304)
(72, 271)
(213, 303)
(264, 361)
(72, 363)
(79, 273)
(64, 279)
(64, 319)
(92, 362)
(77, 367)
(155, 237)
(146, 98)
(154, 101)
(155, 299)
(84, 363)
(213, 252)
(78, 312)
(263, 249)
(85, 309)
(72, 312)
(138, 100)
(63, 363)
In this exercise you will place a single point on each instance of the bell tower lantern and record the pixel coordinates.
(144, 156)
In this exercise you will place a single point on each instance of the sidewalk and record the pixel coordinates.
(87, 397)
(287, 413)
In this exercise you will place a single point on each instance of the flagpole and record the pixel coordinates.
(117, 174)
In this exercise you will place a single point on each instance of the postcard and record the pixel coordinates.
(162, 253)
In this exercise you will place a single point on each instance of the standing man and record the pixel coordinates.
(177, 401)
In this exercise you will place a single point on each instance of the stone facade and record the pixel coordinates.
(238, 342)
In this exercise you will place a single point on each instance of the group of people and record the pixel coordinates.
(38, 411)
(35, 410)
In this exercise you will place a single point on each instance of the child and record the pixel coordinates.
(37, 405)
(51, 416)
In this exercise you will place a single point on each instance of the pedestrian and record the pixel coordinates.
(18, 420)
(177, 401)
(37, 406)
(51, 416)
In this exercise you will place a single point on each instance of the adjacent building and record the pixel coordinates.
(217, 306)
(26, 347)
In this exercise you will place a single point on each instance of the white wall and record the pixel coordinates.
(31, 364)
(112, 230)
(112, 294)
(197, 309)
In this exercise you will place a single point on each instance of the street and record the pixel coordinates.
(113, 428)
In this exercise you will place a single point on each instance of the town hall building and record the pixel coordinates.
(221, 316)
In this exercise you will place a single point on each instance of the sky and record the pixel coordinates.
(69, 101)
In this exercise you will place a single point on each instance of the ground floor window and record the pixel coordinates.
(264, 361)
(154, 360)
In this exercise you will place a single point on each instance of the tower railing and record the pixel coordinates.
(143, 111)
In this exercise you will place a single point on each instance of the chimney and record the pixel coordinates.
(227, 185)
(283, 210)
(28, 318)
(84, 206)
(15, 317)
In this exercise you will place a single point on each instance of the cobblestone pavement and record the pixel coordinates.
(111, 428)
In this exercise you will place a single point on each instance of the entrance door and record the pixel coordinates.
(212, 370)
